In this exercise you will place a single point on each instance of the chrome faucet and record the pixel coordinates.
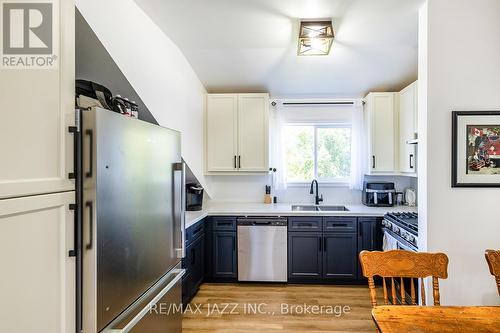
(318, 198)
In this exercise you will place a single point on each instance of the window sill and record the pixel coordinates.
(321, 184)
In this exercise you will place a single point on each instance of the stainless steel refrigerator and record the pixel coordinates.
(131, 208)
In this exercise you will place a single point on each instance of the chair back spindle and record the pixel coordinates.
(422, 290)
(386, 298)
(403, 291)
(412, 290)
(393, 291)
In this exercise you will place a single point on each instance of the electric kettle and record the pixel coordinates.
(411, 197)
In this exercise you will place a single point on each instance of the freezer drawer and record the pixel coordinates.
(157, 311)
(262, 252)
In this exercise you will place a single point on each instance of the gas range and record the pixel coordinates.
(403, 227)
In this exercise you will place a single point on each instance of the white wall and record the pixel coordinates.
(93, 62)
(156, 68)
(463, 73)
(252, 189)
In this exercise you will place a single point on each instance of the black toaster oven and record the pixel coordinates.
(379, 194)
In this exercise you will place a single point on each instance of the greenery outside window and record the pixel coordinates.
(317, 151)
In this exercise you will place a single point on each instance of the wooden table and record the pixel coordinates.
(439, 319)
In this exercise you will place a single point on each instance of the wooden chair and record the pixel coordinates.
(403, 264)
(493, 259)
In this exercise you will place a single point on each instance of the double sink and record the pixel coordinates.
(314, 208)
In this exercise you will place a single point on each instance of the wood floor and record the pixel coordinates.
(235, 308)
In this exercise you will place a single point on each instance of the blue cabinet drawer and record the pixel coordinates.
(340, 224)
(195, 231)
(304, 223)
(222, 223)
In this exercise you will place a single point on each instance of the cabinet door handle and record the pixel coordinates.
(411, 161)
(234, 244)
(89, 133)
(193, 260)
(320, 247)
(239, 161)
(373, 162)
(324, 244)
(224, 223)
(235, 162)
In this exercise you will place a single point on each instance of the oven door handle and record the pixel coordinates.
(399, 245)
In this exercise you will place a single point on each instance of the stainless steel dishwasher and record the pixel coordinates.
(262, 249)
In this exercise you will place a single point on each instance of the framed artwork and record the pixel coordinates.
(476, 149)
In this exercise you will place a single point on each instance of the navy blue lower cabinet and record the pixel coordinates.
(221, 223)
(224, 255)
(305, 223)
(305, 257)
(209, 245)
(369, 237)
(340, 256)
(196, 263)
(186, 289)
(320, 250)
(221, 262)
(338, 224)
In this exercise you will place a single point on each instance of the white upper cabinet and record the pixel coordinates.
(237, 133)
(407, 128)
(37, 106)
(37, 283)
(253, 129)
(381, 120)
(222, 132)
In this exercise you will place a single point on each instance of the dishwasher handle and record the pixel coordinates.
(263, 221)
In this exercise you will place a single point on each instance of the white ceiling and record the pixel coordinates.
(251, 45)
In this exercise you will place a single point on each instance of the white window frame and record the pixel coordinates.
(334, 182)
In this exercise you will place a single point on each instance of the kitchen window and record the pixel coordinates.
(317, 151)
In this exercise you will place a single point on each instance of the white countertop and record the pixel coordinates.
(284, 209)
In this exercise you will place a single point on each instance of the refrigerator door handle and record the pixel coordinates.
(89, 204)
(137, 318)
(179, 207)
(90, 134)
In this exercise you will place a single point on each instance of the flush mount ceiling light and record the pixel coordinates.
(315, 37)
